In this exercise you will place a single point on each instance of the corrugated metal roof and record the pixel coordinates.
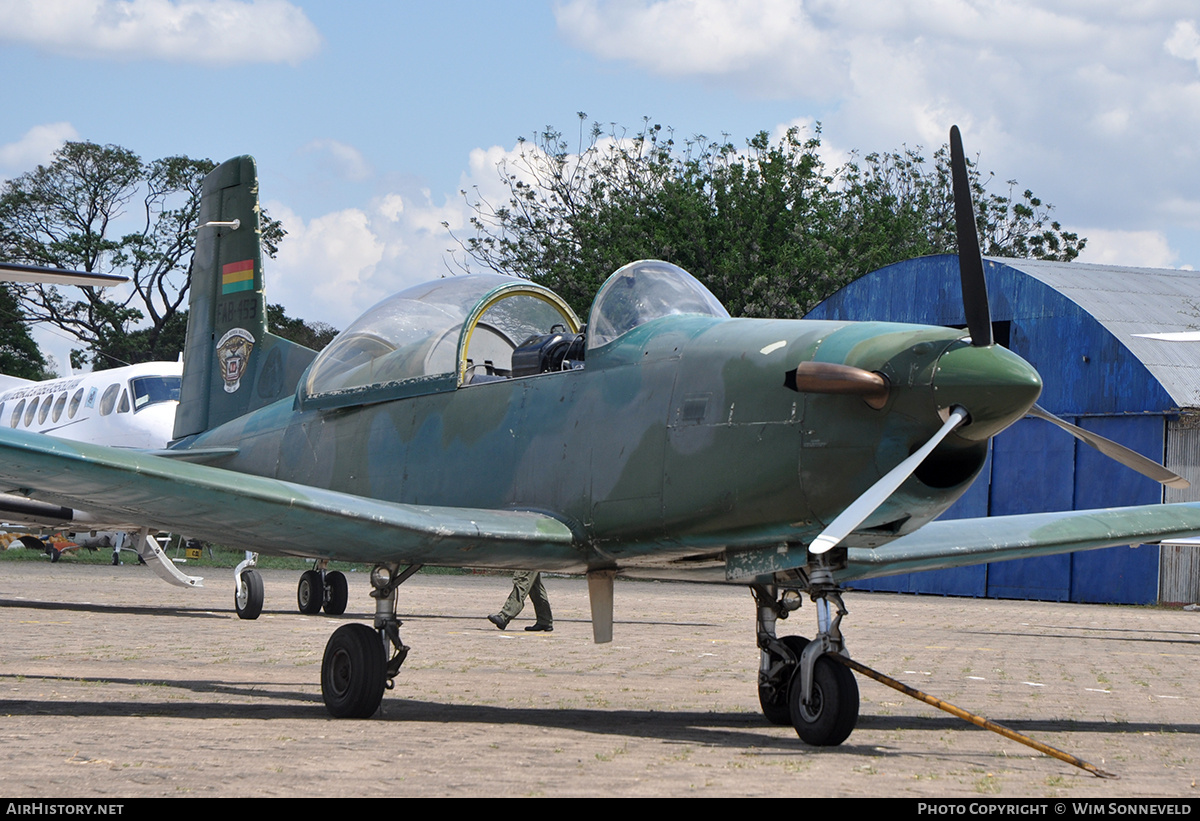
(1128, 301)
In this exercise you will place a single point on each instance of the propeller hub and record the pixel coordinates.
(993, 384)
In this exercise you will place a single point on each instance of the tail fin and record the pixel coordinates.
(231, 364)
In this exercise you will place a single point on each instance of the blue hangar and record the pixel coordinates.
(1076, 324)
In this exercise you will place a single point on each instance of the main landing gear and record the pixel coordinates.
(356, 669)
(248, 588)
(320, 588)
(798, 682)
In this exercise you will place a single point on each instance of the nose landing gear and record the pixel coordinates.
(797, 682)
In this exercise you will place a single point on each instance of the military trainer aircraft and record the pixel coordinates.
(475, 421)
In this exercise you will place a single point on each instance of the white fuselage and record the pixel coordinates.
(129, 407)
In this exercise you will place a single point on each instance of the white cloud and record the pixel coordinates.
(1142, 249)
(36, 147)
(334, 266)
(212, 32)
(773, 42)
(324, 266)
(1184, 42)
(1093, 106)
(347, 161)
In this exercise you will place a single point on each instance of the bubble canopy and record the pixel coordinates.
(646, 290)
(457, 331)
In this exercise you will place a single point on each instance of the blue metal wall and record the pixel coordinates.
(1090, 379)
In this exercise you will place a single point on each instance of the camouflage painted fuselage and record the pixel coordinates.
(679, 432)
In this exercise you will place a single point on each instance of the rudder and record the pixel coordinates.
(231, 364)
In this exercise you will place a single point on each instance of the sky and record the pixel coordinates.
(367, 118)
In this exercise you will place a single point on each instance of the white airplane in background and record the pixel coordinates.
(128, 407)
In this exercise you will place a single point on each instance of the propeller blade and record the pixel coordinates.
(830, 377)
(970, 261)
(878, 493)
(1129, 458)
(1173, 336)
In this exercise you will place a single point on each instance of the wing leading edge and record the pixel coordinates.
(271, 516)
(961, 542)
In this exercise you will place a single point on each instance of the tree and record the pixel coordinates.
(19, 353)
(768, 228)
(65, 215)
(314, 335)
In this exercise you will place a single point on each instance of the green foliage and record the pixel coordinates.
(66, 215)
(19, 354)
(768, 228)
(313, 335)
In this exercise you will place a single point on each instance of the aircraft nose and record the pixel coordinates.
(992, 383)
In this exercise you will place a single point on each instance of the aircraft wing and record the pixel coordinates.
(11, 272)
(961, 542)
(267, 515)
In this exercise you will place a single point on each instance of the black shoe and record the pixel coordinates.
(499, 621)
(538, 627)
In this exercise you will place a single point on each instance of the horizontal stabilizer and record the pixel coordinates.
(200, 455)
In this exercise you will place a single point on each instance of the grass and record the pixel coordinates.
(216, 556)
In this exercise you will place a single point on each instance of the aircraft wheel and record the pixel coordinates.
(249, 604)
(773, 696)
(310, 593)
(116, 558)
(353, 672)
(833, 713)
(339, 593)
(55, 554)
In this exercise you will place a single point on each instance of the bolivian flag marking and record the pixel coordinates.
(237, 276)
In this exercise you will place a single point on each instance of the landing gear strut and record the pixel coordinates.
(356, 670)
(797, 682)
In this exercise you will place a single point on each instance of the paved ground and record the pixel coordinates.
(113, 684)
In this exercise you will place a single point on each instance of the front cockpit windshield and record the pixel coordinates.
(150, 390)
(446, 332)
(646, 290)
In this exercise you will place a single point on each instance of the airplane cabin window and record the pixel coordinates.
(16, 417)
(109, 400)
(47, 401)
(124, 406)
(59, 404)
(30, 411)
(150, 390)
(74, 406)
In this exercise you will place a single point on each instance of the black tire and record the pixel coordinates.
(250, 606)
(774, 699)
(834, 712)
(116, 558)
(353, 672)
(310, 592)
(337, 591)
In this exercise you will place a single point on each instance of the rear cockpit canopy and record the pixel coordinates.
(466, 330)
